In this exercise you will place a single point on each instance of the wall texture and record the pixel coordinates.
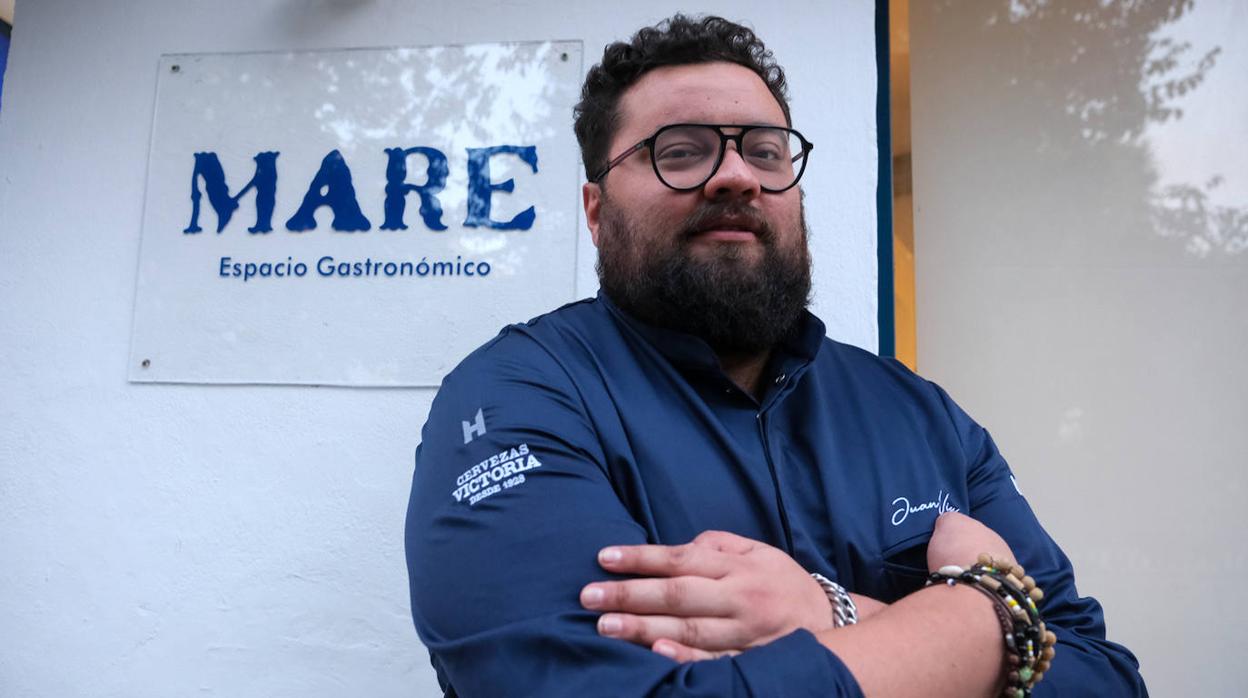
(1081, 246)
(172, 540)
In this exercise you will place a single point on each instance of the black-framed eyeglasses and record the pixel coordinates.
(686, 156)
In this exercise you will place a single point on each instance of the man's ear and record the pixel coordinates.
(591, 199)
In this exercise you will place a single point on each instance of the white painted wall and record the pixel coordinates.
(170, 540)
(1099, 338)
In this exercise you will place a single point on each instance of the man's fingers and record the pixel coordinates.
(682, 653)
(709, 634)
(665, 560)
(726, 542)
(677, 596)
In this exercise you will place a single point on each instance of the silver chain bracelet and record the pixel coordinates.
(844, 612)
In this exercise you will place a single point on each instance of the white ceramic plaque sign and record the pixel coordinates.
(353, 217)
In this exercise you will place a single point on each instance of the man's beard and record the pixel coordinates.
(734, 300)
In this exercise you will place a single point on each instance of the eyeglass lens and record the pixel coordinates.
(685, 156)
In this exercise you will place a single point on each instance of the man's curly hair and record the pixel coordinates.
(678, 40)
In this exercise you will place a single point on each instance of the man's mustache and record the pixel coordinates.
(733, 216)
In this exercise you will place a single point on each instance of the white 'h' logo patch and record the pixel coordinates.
(476, 428)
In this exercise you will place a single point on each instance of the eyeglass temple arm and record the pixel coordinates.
(617, 160)
(807, 146)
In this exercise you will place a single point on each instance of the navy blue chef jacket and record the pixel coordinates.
(585, 428)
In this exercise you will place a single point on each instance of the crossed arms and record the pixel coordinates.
(501, 589)
(722, 593)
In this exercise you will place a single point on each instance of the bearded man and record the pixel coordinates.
(683, 488)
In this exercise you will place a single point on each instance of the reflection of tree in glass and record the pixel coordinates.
(453, 98)
(1089, 77)
(1134, 58)
(1185, 210)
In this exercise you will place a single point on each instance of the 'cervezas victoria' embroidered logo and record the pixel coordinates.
(904, 508)
(501, 471)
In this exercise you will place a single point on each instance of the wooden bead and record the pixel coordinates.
(1036, 595)
(1029, 583)
(1049, 638)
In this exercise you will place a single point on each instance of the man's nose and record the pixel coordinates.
(734, 178)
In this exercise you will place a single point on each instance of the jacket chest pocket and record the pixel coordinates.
(904, 566)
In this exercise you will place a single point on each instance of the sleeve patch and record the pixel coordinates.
(500, 471)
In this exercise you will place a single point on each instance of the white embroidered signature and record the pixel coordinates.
(904, 508)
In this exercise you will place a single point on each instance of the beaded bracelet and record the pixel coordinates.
(1028, 643)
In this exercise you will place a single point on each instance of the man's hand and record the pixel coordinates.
(867, 648)
(719, 594)
(959, 539)
(866, 605)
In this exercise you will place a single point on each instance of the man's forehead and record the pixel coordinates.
(700, 93)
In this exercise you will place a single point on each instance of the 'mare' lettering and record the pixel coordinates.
(332, 186)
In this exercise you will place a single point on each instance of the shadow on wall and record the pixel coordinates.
(1090, 82)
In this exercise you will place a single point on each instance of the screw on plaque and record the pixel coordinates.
(147, 363)
(175, 68)
(563, 56)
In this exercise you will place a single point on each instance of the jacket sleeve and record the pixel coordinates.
(510, 504)
(1086, 664)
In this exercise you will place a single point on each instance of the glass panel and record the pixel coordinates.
(403, 206)
(1081, 230)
